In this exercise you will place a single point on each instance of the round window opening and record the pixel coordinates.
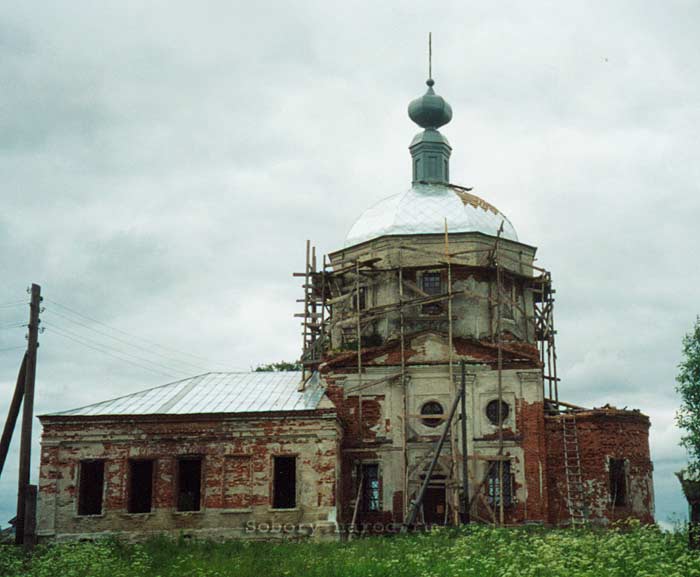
(492, 411)
(432, 408)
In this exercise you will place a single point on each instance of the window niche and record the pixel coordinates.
(237, 482)
(189, 483)
(91, 487)
(140, 496)
(617, 471)
(284, 482)
(509, 300)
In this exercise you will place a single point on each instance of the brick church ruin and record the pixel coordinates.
(429, 395)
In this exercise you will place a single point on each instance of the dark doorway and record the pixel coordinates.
(91, 487)
(189, 484)
(284, 490)
(140, 486)
(434, 506)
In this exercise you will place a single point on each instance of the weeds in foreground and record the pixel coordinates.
(478, 551)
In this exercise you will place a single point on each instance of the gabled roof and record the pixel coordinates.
(214, 393)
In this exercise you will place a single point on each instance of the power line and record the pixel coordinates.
(152, 343)
(12, 348)
(113, 355)
(124, 341)
(13, 325)
(15, 304)
(109, 347)
(121, 355)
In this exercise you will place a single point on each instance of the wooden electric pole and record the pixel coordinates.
(13, 413)
(25, 526)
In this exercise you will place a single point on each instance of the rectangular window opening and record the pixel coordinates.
(363, 299)
(189, 484)
(91, 487)
(284, 480)
(140, 486)
(431, 284)
(494, 494)
(618, 483)
(370, 487)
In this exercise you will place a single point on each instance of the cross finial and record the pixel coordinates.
(430, 54)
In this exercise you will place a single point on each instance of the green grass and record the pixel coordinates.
(475, 551)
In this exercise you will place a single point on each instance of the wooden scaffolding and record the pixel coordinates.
(347, 282)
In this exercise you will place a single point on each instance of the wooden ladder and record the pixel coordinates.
(572, 466)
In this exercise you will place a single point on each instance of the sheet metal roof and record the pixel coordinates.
(423, 209)
(215, 393)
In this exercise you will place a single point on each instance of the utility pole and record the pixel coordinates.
(13, 413)
(24, 524)
(465, 457)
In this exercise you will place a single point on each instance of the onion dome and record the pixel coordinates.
(430, 149)
(430, 110)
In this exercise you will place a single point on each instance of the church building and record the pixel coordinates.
(428, 395)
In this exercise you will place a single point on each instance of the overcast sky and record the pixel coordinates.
(162, 164)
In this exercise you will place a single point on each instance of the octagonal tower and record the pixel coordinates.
(433, 294)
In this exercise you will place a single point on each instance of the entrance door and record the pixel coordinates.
(434, 506)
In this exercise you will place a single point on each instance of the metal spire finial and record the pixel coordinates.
(430, 54)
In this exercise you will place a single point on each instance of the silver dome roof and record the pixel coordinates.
(423, 209)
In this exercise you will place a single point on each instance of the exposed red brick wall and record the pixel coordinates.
(237, 467)
(238, 452)
(530, 423)
(602, 434)
(353, 439)
(531, 439)
(516, 354)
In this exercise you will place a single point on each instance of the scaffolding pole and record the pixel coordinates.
(359, 347)
(415, 506)
(404, 388)
(465, 460)
(499, 344)
(339, 317)
(454, 494)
